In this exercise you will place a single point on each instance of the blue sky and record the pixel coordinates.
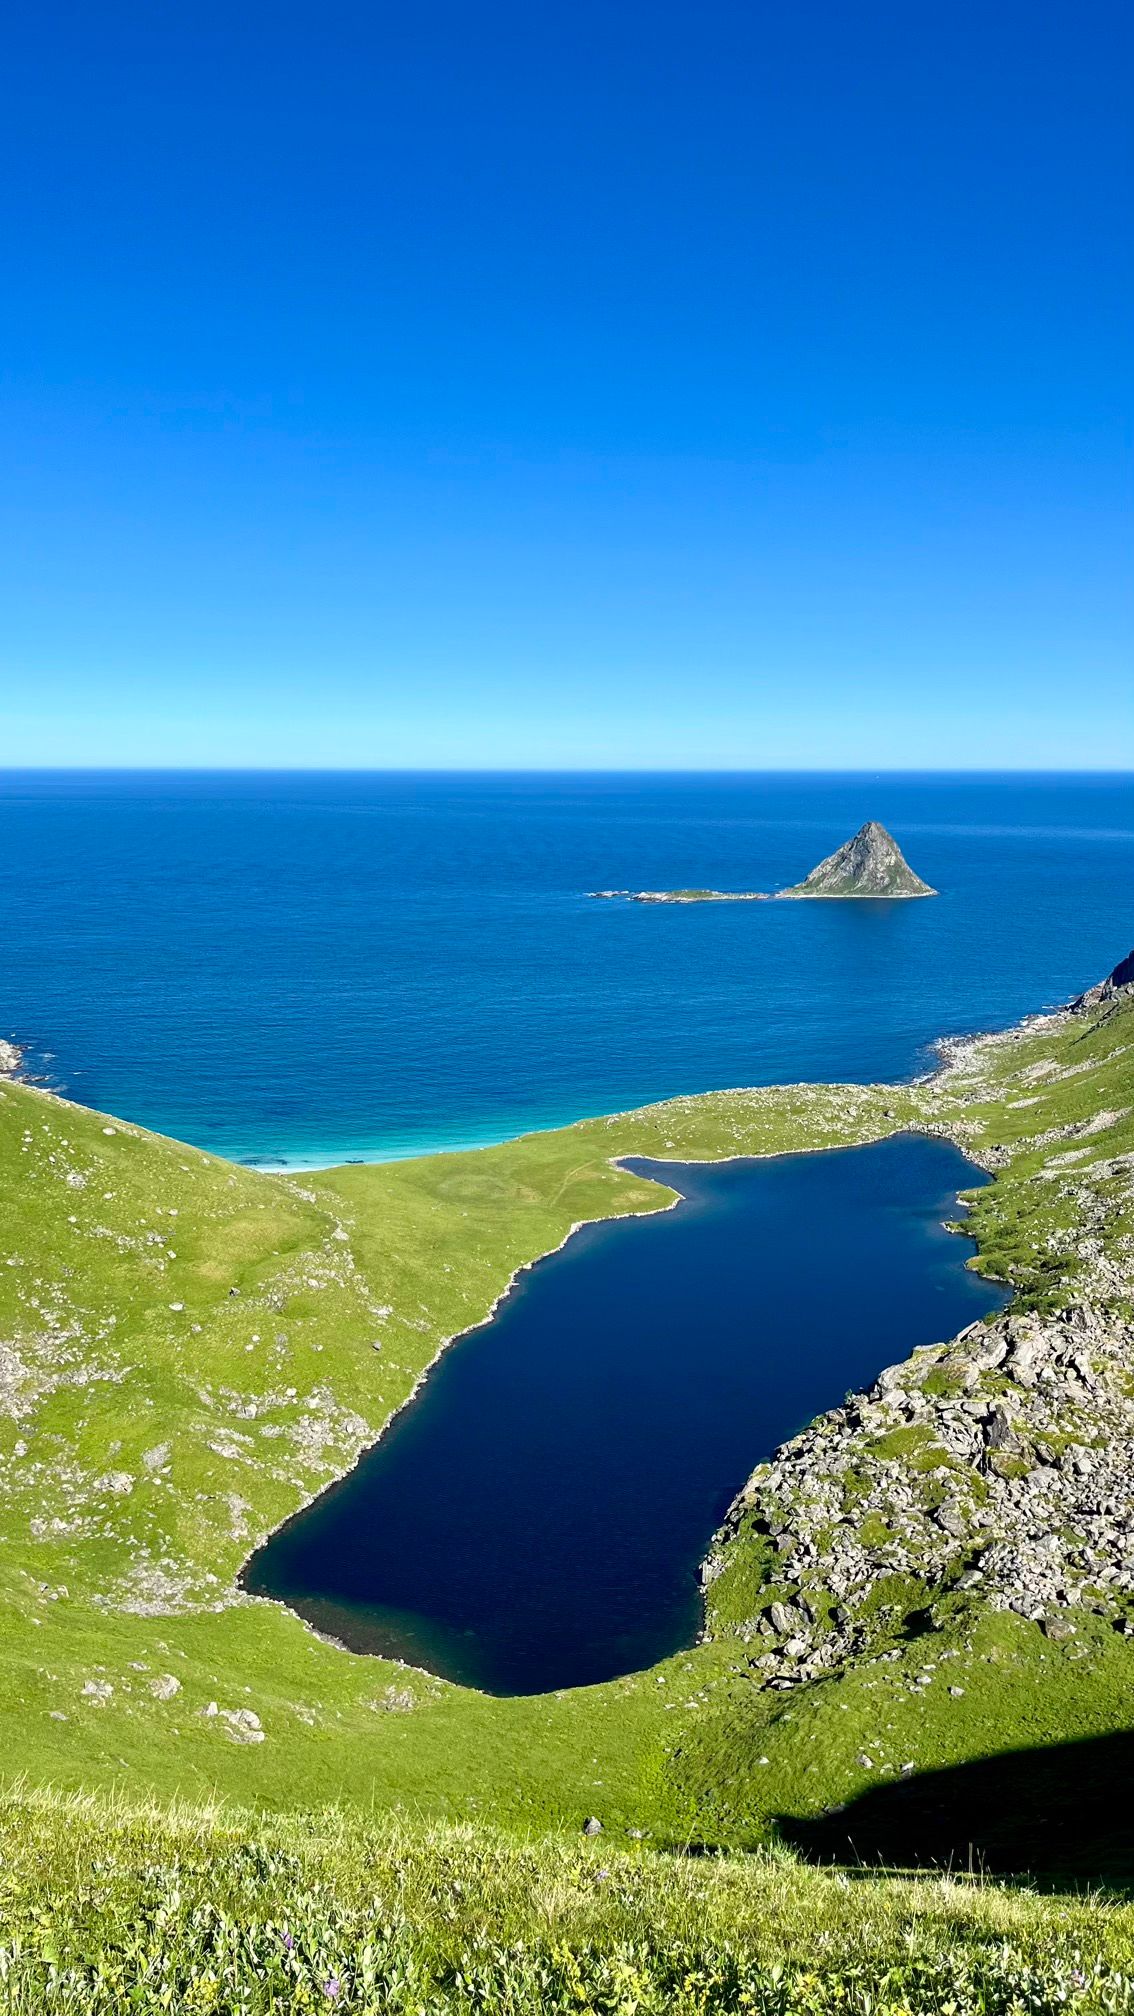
(568, 386)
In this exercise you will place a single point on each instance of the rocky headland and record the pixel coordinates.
(1118, 987)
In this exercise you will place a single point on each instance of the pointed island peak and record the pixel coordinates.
(869, 864)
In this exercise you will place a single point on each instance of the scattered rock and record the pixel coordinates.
(1025, 1495)
(395, 1701)
(241, 1725)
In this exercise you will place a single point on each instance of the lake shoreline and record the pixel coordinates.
(372, 1625)
(953, 1054)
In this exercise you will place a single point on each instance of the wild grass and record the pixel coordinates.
(104, 1910)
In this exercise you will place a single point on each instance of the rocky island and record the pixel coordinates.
(870, 863)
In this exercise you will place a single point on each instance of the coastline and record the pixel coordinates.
(286, 1163)
(315, 1161)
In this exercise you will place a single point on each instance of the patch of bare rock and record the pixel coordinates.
(1001, 1464)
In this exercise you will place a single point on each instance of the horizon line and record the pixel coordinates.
(556, 770)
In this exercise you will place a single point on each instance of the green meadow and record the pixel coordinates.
(191, 1351)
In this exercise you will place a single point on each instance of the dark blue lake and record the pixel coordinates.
(536, 1517)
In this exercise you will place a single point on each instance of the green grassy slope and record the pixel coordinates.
(106, 1911)
(193, 1351)
(190, 1351)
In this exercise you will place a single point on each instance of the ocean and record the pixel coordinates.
(303, 968)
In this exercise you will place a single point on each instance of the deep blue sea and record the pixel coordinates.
(312, 967)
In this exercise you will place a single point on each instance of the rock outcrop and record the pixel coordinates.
(11, 1057)
(1000, 1465)
(869, 864)
(1118, 986)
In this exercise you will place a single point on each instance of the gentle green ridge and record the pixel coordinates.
(156, 1425)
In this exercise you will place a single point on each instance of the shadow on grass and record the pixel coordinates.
(1061, 1817)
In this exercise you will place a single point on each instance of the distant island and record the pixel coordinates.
(870, 863)
(680, 895)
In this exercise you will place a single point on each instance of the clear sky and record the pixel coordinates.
(567, 384)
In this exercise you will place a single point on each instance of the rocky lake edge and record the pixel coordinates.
(995, 1469)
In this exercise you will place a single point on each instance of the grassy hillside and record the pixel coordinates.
(187, 1911)
(192, 1350)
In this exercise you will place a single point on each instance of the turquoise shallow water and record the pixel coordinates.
(306, 967)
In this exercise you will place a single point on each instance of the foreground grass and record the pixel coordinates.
(104, 1911)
